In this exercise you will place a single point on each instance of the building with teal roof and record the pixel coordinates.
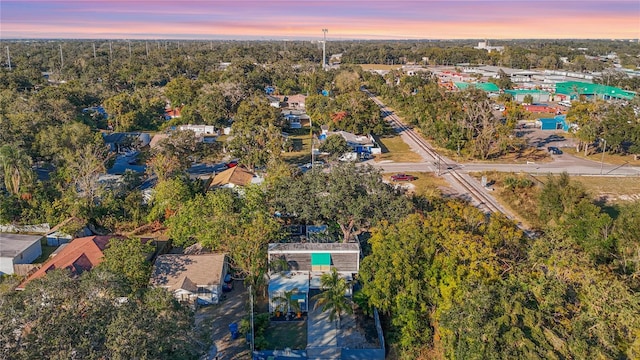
(537, 95)
(555, 123)
(484, 86)
(576, 89)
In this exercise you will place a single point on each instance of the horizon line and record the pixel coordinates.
(265, 38)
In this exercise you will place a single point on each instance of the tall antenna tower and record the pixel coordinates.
(324, 48)
(9, 58)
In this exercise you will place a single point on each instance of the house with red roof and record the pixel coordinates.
(80, 255)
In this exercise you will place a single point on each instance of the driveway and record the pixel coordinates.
(232, 308)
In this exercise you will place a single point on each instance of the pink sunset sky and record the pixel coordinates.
(305, 19)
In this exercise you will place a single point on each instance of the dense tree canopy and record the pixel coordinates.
(91, 318)
(349, 197)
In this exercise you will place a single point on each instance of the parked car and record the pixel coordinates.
(402, 177)
(554, 150)
(232, 163)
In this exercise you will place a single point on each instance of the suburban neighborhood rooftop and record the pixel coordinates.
(311, 247)
(13, 244)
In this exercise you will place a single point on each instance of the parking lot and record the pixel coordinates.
(545, 138)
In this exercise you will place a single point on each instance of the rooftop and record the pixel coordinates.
(176, 271)
(236, 175)
(484, 86)
(525, 91)
(353, 138)
(288, 281)
(578, 87)
(14, 244)
(79, 255)
(313, 247)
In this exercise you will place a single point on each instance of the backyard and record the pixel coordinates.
(286, 334)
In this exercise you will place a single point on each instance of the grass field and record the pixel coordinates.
(609, 158)
(302, 144)
(395, 149)
(426, 184)
(287, 334)
(524, 202)
(612, 188)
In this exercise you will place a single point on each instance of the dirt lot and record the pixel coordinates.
(231, 309)
(544, 138)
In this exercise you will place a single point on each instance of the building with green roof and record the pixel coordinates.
(575, 89)
(520, 94)
(484, 86)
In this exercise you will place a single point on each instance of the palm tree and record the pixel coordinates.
(15, 166)
(287, 299)
(332, 297)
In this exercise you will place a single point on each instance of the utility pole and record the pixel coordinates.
(129, 49)
(94, 51)
(604, 149)
(324, 49)
(311, 136)
(146, 46)
(110, 53)
(8, 58)
(61, 58)
(251, 309)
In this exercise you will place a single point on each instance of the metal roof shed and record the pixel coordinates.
(555, 123)
(484, 86)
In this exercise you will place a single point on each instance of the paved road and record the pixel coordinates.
(561, 163)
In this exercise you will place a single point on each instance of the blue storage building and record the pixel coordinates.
(555, 123)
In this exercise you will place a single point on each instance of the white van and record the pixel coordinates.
(566, 103)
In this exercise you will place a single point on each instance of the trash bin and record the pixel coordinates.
(233, 328)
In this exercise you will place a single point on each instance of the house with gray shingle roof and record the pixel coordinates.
(191, 278)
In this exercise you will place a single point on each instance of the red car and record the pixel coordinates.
(232, 163)
(402, 177)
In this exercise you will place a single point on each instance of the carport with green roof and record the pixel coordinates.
(575, 89)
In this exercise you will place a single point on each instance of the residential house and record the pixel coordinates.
(274, 101)
(64, 232)
(18, 249)
(296, 102)
(191, 278)
(295, 118)
(236, 176)
(200, 130)
(172, 113)
(80, 255)
(359, 143)
(298, 267)
(122, 142)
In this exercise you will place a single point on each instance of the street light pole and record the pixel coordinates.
(604, 149)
